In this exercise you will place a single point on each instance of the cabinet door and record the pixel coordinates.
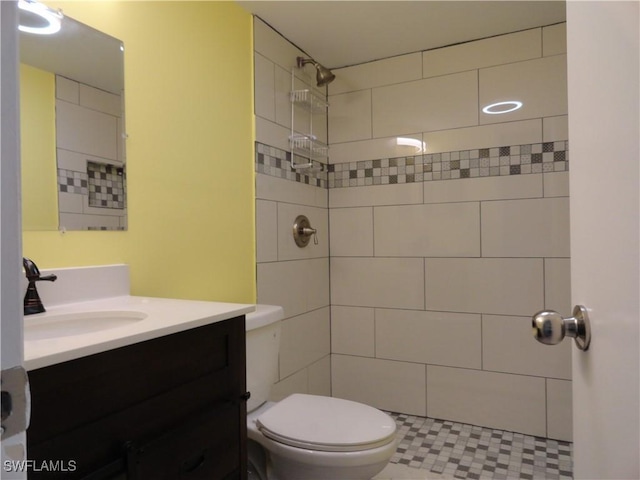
(189, 384)
(206, 447)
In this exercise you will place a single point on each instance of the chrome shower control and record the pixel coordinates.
(550, 328)
(302, 231)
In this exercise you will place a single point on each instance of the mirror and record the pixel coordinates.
(72, 128)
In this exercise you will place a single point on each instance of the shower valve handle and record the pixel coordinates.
(311, 231)
(302, 231)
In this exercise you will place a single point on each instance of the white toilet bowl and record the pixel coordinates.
(309, 437)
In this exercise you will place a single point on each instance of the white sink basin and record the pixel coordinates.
(79, 323)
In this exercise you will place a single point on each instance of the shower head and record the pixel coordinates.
(323, 74)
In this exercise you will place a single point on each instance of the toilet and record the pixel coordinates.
(307, 437)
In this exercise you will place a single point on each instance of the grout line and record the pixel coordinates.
(480, 225)
(482, 342)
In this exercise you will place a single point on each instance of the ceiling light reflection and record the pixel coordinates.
(420, 146)
(509, 106)
(52, 18)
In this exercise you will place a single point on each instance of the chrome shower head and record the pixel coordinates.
(323, 74)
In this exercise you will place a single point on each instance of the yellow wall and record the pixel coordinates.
(38, 150)
(189, 117)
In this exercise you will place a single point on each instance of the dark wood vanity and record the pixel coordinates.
(169, 408)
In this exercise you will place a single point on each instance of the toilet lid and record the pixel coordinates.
(326, 424)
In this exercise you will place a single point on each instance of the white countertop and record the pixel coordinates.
(163, 317)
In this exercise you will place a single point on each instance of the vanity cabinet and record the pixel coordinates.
(169, 408)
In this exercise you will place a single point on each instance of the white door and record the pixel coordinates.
(603, 69)
(13, 444)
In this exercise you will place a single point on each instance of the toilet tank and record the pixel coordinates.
(263, 345)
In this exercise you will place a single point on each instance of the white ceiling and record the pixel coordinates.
(341, 33)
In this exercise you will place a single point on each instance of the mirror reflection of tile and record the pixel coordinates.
(91, 170)
(106, 185)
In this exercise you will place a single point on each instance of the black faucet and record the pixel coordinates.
(32, 302)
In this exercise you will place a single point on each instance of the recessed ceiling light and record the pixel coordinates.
(38, 18)
(510, 106)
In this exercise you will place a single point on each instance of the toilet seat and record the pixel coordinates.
(326, 424)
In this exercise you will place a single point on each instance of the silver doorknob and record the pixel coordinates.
(550, 328)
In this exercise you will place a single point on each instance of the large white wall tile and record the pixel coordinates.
(67, 90)
(557, 285)
(541, 85)
(318, 218)
(488, 52)
(351, 232)
(350, 116)
(489, 188)
(74, 160)
(556, 184)
(264, 99)
(278, 189)
(353, 331)
(509, 286)
(273, 46)
(452, 339)
(436, 230)
(389, 385)
(299, 286)
(559, 410)
(266, 231)
(70, 202)
(526, 228)
(555, 128)
(496, 400)
(433, 104)
(508, 346)
(388, 71)
(378, 282)
(282, 96)
(86, 131)
(484, 136)
(373, 149)
(320, 377)
(270, 133)
(401, 194)
(296, 383)
(305, 339)
(81, 221)
(554, 39)
(101, 101)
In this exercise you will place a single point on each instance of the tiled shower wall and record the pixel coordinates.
(296, 278)
(439, 258)
(90, 157)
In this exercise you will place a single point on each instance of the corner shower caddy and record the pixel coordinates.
(306, 144)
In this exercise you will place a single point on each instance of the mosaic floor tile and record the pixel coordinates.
(456, 450)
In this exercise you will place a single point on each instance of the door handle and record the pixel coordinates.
(550, 328)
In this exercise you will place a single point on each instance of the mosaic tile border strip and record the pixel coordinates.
(106, 185)
(483, 162)
(276, 162)
(457, 450)
(71, 181)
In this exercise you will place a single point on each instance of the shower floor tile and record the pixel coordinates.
(457, 450)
